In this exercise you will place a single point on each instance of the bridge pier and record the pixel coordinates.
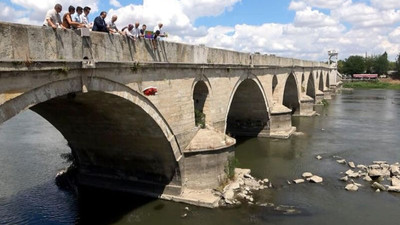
(307, 106)
(281, 122)
(319, 96)
(328, 94)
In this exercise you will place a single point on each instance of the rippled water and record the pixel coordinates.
(360, 127)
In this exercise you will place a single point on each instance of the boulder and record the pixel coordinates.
(298, 181)
(316, 179)
(246, 175)
(341, 161)
(395, 170)
(229, 196)
(395, 181)
(394, 188)
(374, 166)
(345, 178)
(377, 185)
(252, 184)
(351, 187)
(367, 178)
(235, 186)
(352, 174)
(307, 175)
(372, 172)
(352, 165)
(318, 157)
(363, 167)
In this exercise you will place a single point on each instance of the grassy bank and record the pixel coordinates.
(373, 85)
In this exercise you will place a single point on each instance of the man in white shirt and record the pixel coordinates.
(136, 31)
(157, 32)
(53, 18)
(85, 18)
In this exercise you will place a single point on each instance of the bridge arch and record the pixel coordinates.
(311, 86)
(327, 80)
(247, 112)
(202, 92)
(114, 132)
(321, 82)
(291, 94)
(274, 83)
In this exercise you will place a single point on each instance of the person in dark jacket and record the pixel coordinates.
(99, 23)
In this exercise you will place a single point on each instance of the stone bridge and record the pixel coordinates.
(91, 89)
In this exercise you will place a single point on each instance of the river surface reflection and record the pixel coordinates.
(361, 127)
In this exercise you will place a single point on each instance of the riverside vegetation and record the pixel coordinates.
(378, 84)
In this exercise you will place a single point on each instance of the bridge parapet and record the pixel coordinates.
(25, 42)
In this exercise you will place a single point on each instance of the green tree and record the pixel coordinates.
(398, 64)
(370, 64)
(381, 64)
(392, 66)
(340, 66)
(354, 64)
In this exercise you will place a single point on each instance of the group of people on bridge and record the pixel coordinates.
(78, 19)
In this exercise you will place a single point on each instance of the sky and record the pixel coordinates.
(303, 29)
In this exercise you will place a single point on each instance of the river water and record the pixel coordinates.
(361, 126)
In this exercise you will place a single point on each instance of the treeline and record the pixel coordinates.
(376, 64)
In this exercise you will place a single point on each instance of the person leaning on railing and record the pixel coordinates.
(53, 18)
(67, 19)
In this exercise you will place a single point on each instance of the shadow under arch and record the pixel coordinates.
(202, 93)
(311, 86)
(321, 82)
(248, 112)
(291, 94)
(113, 131)
(327, 83)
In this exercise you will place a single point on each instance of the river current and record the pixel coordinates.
(361, 126)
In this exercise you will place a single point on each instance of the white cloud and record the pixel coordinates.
(296, 5)
(7, 12)
(362, 15)
(313, 18)
(386, 4)
(323, 4)
(115, 3)
(38, 11)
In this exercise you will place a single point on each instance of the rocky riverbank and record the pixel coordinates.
(380, 175)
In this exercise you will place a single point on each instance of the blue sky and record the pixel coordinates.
(304, 29)
(254, 12)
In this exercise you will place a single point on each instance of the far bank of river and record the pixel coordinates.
(386, 83)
